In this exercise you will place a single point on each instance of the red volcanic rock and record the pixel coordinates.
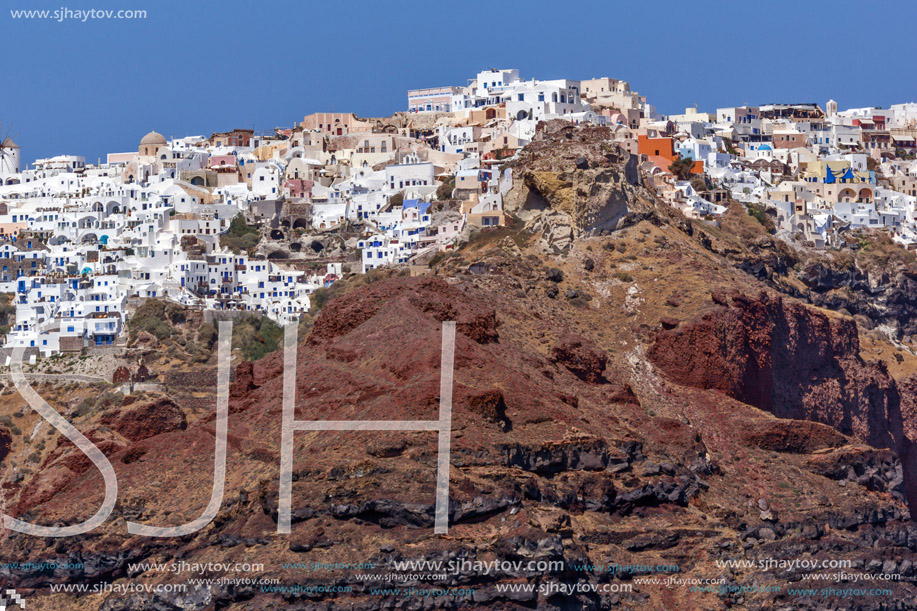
(491, 406)
(44, 486)
(668, 322)
(720, 298)
(788, 359)
(146, 419)
(473, 316)
(796, 363)
(77, 462)
(676, 436)
(622, 393)
(62, 465)
(133, 454)
(245, 379)
(741, 300)
(67, 454)
(794, 436)
(581, 357)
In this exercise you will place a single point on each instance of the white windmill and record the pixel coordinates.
(9, 154)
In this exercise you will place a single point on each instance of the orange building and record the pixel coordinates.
(661, 153)
(656, 147)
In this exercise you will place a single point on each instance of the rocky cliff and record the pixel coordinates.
(644, 396)
(793, 362)
(566, 185)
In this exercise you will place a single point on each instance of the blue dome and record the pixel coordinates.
(765, 147)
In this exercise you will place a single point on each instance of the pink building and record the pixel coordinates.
(223, 162)
(297, 187)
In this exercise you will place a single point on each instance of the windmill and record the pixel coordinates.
(9, 153)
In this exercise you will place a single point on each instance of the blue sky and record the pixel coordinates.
(198, 66)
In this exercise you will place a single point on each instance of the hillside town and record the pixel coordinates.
(248, 221)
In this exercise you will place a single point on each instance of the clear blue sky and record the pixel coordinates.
(198, 66)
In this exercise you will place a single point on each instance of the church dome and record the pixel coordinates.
(153, 138)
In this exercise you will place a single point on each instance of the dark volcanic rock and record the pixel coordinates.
(6, 442)
(583, 454)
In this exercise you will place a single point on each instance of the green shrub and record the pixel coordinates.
(176, 313)
(256, 336)
(207, 335)
(157, 318)
(85, 407)
(318, 299)
(757, 211)
(240, 236)
(444, 191)
(436, 259)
